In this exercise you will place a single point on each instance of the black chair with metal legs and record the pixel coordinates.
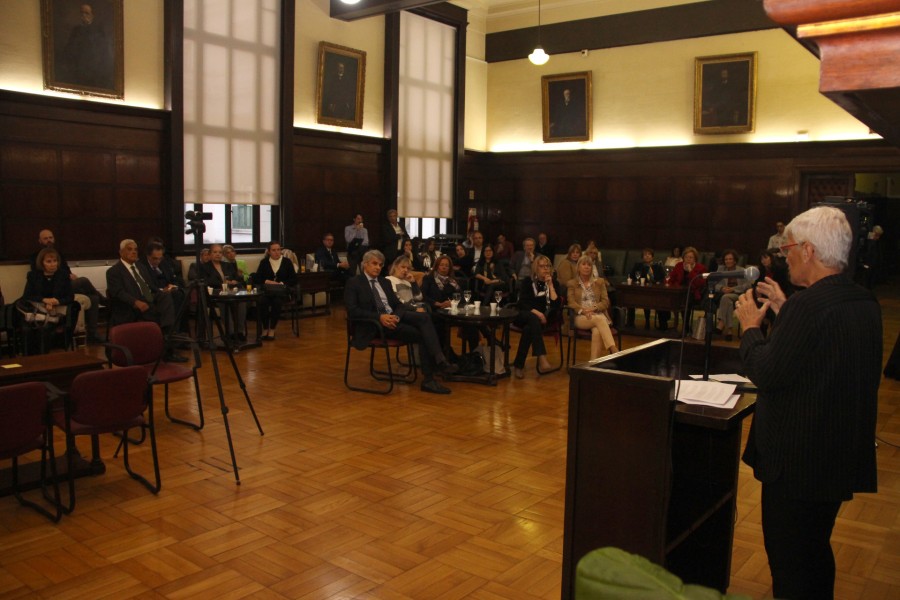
(407, 374)
(574, 334)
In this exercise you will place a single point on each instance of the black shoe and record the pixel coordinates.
(728, 337)
(448, 368)
(433, 387)
(174, 358)
(718, 330)
(629, 324)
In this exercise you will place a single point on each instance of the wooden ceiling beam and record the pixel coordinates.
(372, 8)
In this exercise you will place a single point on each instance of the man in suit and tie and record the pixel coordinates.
(370, 296)
(165, 277)
(134, 297)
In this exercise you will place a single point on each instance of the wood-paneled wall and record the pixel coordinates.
(95, 173)
(335, 176)
(92, 172)
(712, 197)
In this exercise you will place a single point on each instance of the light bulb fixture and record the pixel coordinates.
(350, 1)
(538, 56)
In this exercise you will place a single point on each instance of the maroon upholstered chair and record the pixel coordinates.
(25, 427)
(141, 343)
(407, 374)
(108, 401)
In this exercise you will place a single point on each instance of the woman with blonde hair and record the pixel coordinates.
(590, 301)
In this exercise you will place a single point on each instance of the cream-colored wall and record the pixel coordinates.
(313, 25)
(21, 66)
(643, 95)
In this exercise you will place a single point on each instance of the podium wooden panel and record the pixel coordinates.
(649, 475)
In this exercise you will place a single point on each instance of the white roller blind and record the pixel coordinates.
(231, 101)
(425, 127)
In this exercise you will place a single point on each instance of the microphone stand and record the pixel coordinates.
(710, 322)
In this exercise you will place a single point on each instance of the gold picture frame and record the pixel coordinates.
(341, 87)
(567, 107)
(725, 93)
(82, 47)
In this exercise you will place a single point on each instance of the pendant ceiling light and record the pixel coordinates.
(538, 56)
(350, 1)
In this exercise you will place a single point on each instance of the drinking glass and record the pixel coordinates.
(467, 296)
(455, 297)
(498, 295)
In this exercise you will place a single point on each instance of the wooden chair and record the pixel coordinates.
(407, 373)
(108, 401)
(25, 427)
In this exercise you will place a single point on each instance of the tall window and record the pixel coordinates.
(231, 67)
(426, 110)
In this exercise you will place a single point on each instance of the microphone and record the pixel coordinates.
(751, 273)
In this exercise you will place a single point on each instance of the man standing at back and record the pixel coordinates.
(812, 441)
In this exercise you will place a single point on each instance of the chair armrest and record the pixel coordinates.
(129, 358)
(376, 322)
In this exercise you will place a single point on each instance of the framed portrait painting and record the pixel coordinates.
(341, 85)
(725, 93)
(82, 47)
(566, 107)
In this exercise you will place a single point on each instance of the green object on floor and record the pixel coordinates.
(613, 574)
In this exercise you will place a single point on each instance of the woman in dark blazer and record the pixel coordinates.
(438, 288)
(538, 300)
(275, 276)
(50, 286)
(490, 276)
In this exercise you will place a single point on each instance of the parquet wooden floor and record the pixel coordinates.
(349, 495)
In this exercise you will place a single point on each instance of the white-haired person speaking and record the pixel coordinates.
(812, 441)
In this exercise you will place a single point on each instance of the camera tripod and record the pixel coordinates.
(205, 322)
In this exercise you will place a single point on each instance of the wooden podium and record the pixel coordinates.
(648, 475)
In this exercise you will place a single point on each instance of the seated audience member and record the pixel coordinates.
(544, 247)
(86, 295)
(520, 265)
(408, 252)
(192, 268)
(587, 296)
(475, 251)
(217, 273)
(132, 297)
(539, 301)
(370, 296)
(274, 276)
(593, 251)
(728, 291)
(490, 276)
(462, 266)
(568, 268)
(166, 278)
(240, 265)
(329, 261)
(438, 288)
(427, 256)
(404, 283)
(689, 272)
(51, 287)
(503, 249)
(674, 258)
(651, 273)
